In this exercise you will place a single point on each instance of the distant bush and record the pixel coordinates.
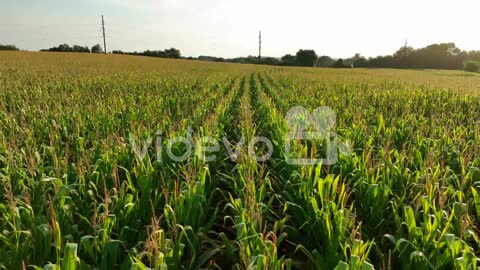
(97, 49)
(169, 53)
(67, 48)
(339, 64)
(8, 48)
(325, 61)
(472, 67)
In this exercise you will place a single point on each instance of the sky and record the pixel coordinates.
(229, 28)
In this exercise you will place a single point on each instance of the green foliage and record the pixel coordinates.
(289, 60)
(97, 49)
(67, 48)
(76, 195)
(339, 64)
(325, 61)
(169, 53)
(472, 67)
(435, 56)
(306, 58)
(8, 48)
(173, 53)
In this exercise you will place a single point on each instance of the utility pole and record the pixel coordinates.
(260, 47)
(406, 42)
(104, 39)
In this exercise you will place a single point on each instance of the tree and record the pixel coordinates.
(472, 67)
(404, 51)
(306, 58)
(339, 64)
(325, 61)
(173, 53)
(67, 48)
(169, 53)
(474, 55)
(64, 48)
(359, 61)
(288, 60)
(77, 48)
(270, 61)
(439, 56)
(382, 62)
(97, 49)
(8, 48)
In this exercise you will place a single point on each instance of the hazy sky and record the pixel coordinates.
(228, 28)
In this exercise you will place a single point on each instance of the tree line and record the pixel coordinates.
(8, 48)
(75, 48)
(168, 53)
(435, 56)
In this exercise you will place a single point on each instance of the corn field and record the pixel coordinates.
(75, 194)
